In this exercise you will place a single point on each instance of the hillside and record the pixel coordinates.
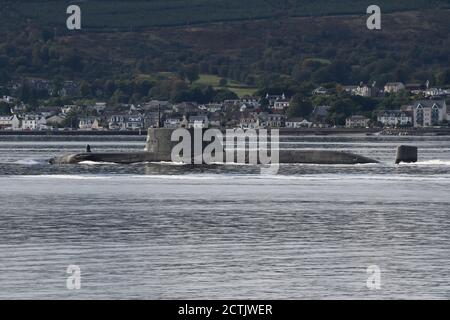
(282, 53)
(138, 14)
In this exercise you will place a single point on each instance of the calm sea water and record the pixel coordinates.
(164, 231)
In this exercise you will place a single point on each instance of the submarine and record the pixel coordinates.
(160, 144)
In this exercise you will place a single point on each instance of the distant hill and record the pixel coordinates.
(138, 14)
(298, 45)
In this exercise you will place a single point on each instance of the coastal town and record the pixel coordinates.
(426, 108)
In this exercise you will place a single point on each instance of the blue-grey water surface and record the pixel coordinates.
(166, 231)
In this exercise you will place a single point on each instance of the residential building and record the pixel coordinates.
(68, 109)
(296, 123)
(134, 122)
(320, 91)
(152, 120)
(89, 123)
(56, 120)
(185, 108)
(394, 118)
(99, 107)
(276, 120)
(10, 122)
(414, 88)
(249, 121)
(198, 122)
(274, 98)
(429, 113)
(7, 99)
(435, 92)
(281, 104)
(357, 121)
(365, 91)
(350, 89)
(211, 107)
(215, 120)
(394, 87)
(34, 122)
(320, 113)
(126, 122)
(156, 105)
(117, 122)
(173, 123)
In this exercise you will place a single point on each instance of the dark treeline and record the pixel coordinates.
(290, 56)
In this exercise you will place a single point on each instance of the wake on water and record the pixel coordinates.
(29, 162)
(32, 162)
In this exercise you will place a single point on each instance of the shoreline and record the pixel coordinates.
(293, 131)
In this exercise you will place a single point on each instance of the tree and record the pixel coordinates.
(192, 72)
(85, 89)
(71, 120)
(5, 109)
(443, 78)
(223, 82)
(224, 94)
(265, 104)
(300, 107)
(119, 97)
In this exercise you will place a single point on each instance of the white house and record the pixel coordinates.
(298, 123)
(9, 123)
(7, 99)
(89, 123)
(434, 92)
(357, 121)
(394, 87)
(281, 104)
(134, 122)
(117, 122)
(128, 121)
(278, 102)
(172, 123)
(393, 118)
(211, 107)
(34, 122)
(429, 113)
(319, 91)
(68, 108)
(365, 91)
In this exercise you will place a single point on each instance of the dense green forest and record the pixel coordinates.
(132, 14)
(284, 52)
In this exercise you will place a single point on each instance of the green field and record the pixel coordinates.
(138, 14)
(238, 88)
(206, 80)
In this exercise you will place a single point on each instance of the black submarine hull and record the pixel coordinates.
(160, 144)
(294, 156)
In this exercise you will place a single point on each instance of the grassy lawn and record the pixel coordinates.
(213, 80)
(205, 80)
